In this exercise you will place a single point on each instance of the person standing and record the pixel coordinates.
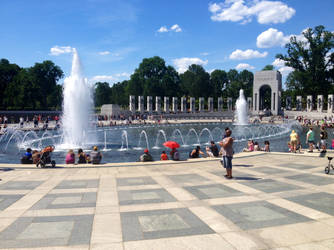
(294, 141)
(227, 152)
(310, 139)
(323, 138)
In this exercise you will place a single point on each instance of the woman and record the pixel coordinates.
(70, 157)
(294, 141)
(82, 157)
(196, 152)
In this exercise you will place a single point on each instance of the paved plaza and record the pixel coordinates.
(274, 201)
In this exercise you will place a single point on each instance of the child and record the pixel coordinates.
(266, 146)
(163, 156)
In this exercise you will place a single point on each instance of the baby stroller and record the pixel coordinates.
(46, 158)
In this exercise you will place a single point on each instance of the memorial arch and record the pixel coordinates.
(267, 90)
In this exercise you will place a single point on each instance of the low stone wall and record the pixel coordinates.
(311, 115)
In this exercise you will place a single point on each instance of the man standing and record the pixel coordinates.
(310, 139)
(227, 152)
(323, 138)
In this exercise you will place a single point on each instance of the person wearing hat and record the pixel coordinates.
(27, 158)
(146, 156)
(96, 155)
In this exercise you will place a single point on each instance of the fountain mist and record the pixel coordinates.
(77, 107)
(241, 109)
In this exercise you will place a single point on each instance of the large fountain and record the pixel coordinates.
(77, 108)
(241, 109)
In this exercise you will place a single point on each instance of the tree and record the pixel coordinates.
(312, 59)
(218, 81)
(196, 82)
(118, 94)
(7, 73)
(102, 93)
(268, 67)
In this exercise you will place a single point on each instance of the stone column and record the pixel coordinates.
(229, 104)
(330, 104)
(192, 105)
(149, 102)
(210, 104)
(201, 104)
(141, 104)
(158, 104)
(309, 103)
(249, 103)
(220, 104)
(166, 104)
(298, 103)
(132, 104)
(175, 105)
(320, 103)
(183, 104)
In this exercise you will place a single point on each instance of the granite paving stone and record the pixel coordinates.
(270, 186)
(135, 181)
(187, 178)
(312, 179)
(144, 196)
(212, 191)
(20, 185)
(7, 200)
(74, 184)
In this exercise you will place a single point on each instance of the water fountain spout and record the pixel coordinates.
(241, 109)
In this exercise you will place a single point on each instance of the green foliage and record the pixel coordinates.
(102, 93)
(312, 60)
(268, 67)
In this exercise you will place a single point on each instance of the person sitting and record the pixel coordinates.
(146, 156)
(214, 149)
(36, 156)
(175, 154)
(27, 157)
(256, 146)
(82, 157)
(164, 156)
(208, 152)
(95, 156)
(70, 157)
(250, 146)
(196, 152)
(266, 146)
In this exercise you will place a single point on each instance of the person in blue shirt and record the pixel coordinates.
(27, 157)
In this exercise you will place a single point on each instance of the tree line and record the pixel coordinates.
(154, 78)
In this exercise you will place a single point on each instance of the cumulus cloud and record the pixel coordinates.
(104, 53)
(242, 66)
(58, 50)
(273, 37)
(110, 78)
(174, 28)
(280, 65)
(247, 54)
(183, 63)
(243, 11)
(163, 29)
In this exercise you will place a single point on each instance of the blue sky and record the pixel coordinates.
(113, 36)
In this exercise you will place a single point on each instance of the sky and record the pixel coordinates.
(113, 36)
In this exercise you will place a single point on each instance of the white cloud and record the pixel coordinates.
(163, 29)
(247, 54)
(176, 28)
(271, 38)
(241, 66)
(242, 11)
(58, 50)
(110, 78)
(183, 63)
(278, 63)
(104, 53)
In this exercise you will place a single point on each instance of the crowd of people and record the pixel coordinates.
(254, 146)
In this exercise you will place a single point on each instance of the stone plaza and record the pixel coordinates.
(274, 201)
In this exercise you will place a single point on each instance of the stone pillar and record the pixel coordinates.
(175, 105)
(320, 103)
(132, 104)
(149, 102)
(250, 103)
(201, 104)
(309, 103)
(220, 104)
(298, 103)
(141, 104)
(158, 104)
(229, 104)
(288, 103)
(166, 104)
(183, 104)
(192, 105)
(210, 104)
(330, 105)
